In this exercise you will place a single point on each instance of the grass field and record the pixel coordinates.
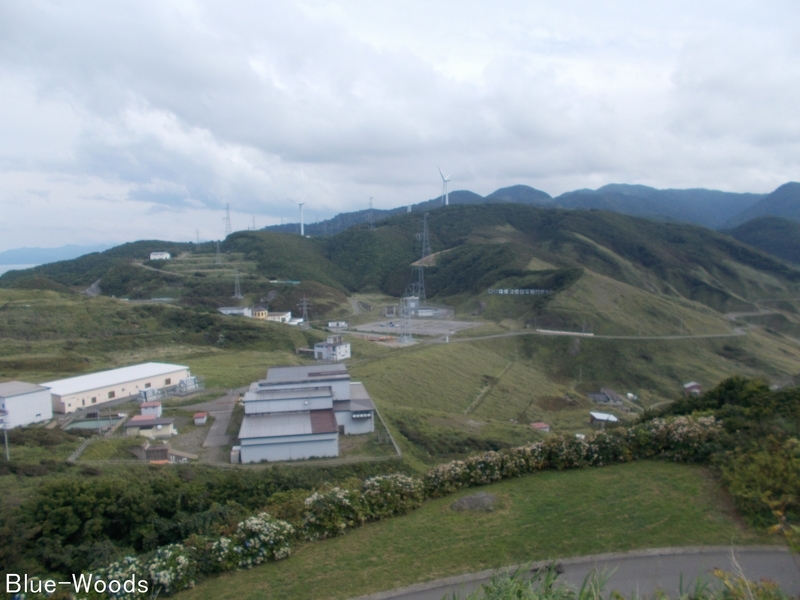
(544, 516)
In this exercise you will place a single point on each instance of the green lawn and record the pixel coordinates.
(548, 515)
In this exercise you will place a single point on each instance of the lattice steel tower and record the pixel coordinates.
(228, 228)
(426, 251)
(303, 305)
(237, 289)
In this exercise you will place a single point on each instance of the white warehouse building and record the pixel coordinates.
(299, 412)
(24, 403)
(75, 393)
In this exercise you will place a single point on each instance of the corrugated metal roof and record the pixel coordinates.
(18, 388)
(93, 381)
(288, 393)
(285, 424)
(147, 422)
(603, 416)
(323, 421)
(277, 375)
(275, 425)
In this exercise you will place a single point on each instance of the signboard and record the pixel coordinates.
(518, 291)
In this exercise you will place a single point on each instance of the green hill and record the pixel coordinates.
(774, 235)
(783, 202)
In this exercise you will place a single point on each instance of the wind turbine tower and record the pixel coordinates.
(445, 181)
(228, 228)
(302, 224)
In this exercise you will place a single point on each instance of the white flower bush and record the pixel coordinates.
(389, 495)
(171, 569)
(331, 513)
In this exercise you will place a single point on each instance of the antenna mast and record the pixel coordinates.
(237, 289)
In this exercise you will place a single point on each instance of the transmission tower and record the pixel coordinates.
(228, 228)
(406, 311)
(218, 260)
(426, 251)
(303, 305)
(237, 289)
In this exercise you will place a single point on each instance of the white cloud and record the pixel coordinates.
(112, 110)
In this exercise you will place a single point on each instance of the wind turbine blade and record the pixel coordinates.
(440, 172)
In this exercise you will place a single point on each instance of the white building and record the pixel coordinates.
(150, 427)
(159, 256)
(299, 412)
(24, 403)
(242, 311)
(333, 349)
(75, 393)
(152, 409)
(337, 324)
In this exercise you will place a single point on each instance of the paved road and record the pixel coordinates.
(221, 409)
(636, 572)
(736, 333)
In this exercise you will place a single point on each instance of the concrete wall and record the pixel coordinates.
(290, 447)
(94, 397)
(355, 426)
(25, 409)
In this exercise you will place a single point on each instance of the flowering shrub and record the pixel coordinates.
(389, 495)
(125, 570)
(258, 539)
(445, 479)
(329, 514)
(681, 439)
(171, 569)
(684, 438)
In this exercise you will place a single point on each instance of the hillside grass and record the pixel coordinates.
(545, 516)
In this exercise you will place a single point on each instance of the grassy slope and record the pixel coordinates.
(549, 515)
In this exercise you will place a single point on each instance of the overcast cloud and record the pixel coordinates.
(129, 120)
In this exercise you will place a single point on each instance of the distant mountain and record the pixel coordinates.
(774, 235)
(478, 246)
(40, 256)
(709, 208)
(783, 202)
(522, 194)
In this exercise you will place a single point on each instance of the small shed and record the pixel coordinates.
(540, 426)
(598, 419)
(200, 418)
(692, 389)
(151, 409)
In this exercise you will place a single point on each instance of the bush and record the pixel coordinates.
(390, 495)
(329, 514)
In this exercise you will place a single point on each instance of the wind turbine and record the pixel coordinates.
(302, 225)
(445, 195)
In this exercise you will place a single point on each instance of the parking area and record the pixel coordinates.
(430, 327)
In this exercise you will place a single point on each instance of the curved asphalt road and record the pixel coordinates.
(637, 573)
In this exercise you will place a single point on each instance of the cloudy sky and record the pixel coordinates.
(128, 120)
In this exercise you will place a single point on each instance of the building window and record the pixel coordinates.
(83, 402)
(111, 395)
(94, 399)
(147, 385)
(167, 381)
